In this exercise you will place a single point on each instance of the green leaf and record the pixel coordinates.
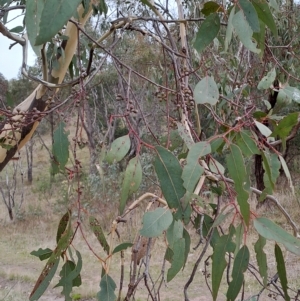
(169, 171)
(250, 14)
(55, 15)
(33, 15)
(122, 247)
(287, 172)
(263, 129)
(62, 226)
(281, 271)
(70, 276)
(132, 181)
(107, 289)
(50, 268)
(184, 134)
(208, 30)
(174, 233)
(178, 258)
(247, 144)
(42, 254)
(44, 280)
(271, 165)
(240, 265)
(260, 37)
(222, 245)
(192, 170)
(238, 173)
(286, 95)
(60, 147)
(244, 31)
(97, 230)
(229, 29)
(211, 7)
(155, 222)
(206, 91)
(174, 139)
(267, 80)
(119, 149)
(284, 127)
(17, 29)
(239, 232)
(264, 13)
(187, 245)
(222, 217)
(261, 258)
(271, 231)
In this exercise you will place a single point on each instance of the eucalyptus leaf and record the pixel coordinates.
(206, 91)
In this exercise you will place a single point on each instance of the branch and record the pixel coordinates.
(11, 36)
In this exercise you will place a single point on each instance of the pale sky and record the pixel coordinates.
(11, 60)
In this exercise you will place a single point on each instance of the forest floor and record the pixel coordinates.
(35, 225)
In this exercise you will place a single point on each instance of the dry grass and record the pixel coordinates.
(36, 225)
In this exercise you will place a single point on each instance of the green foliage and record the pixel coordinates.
(267, 80)
(191, 171)
(97, 230)
(240, 266)
(207, 32)
(155, 222)
(70, 276)
(122, 247)
(107, 289)
(60, 148)
(169, 171)
(131, 182)
(42, 254)
(244, 31)
(53, 16)
(206, 91)
(271, 231)
(238, 173)
(261, 258)
(119, 149)
(222, 245)
(281, 271)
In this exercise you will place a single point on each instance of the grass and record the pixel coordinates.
(46, 200)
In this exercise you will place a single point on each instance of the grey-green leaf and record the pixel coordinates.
(155, 222)
(261, 258)
(244, 31)
(55, 15)
(282, 272)
(250, 14)
(240, 265)
(169, 171)
(33, 15)
(192, 170)
(178, 258)
(119, 149)
(271, 231)
(267, 80)
(107, 289)
(206, 91)
(238, 173)
(132, 181)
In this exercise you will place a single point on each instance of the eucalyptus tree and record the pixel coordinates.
(216, 78)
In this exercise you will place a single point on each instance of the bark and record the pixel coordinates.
(20, 127)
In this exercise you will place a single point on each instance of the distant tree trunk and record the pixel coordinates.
(89, 127)
(29, 155)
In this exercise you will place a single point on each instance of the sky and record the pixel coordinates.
(11, 60)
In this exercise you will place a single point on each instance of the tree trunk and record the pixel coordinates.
(29, 155)
(18, 135)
